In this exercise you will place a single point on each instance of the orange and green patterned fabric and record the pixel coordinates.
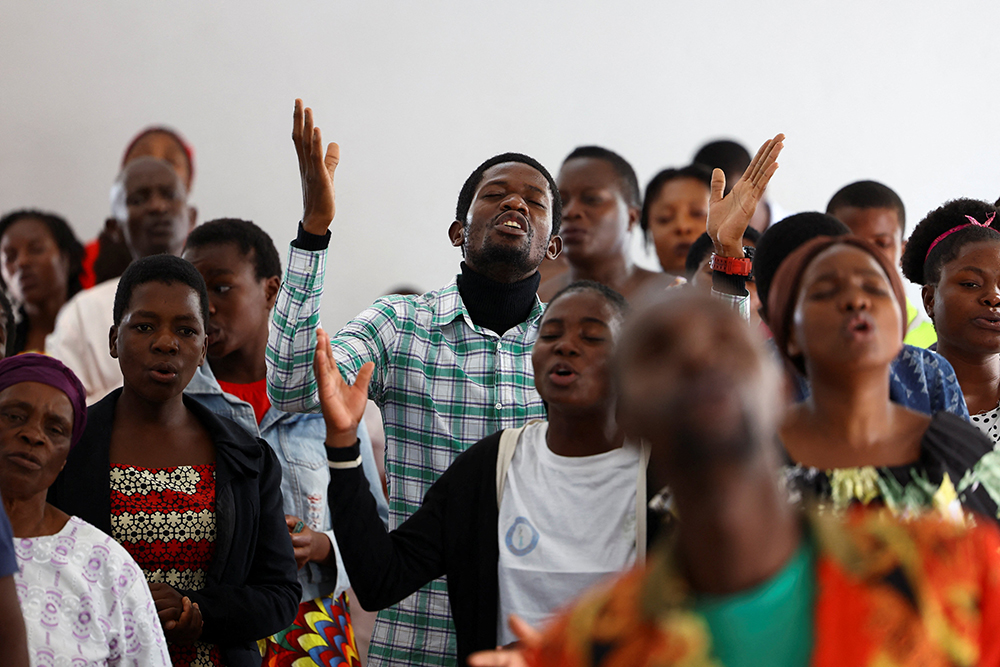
(888, 594)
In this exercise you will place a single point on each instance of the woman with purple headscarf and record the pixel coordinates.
(82, 595)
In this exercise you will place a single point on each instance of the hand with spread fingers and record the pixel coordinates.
(316, 171)
(729, 216)
(343, 404)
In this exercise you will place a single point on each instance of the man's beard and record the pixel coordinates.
(496, 259)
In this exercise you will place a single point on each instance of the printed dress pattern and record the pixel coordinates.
(165, 518)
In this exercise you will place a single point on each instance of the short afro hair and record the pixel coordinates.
(703, 247)
(696, 171)
(868, 194)
(61, 233)
(725, 154)
(246, 236)
(614, 299)
(475, 178)
(628, 183)
(782, 239)
(166, 269)
(925, 269)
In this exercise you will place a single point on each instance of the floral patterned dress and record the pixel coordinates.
(165, 518)
(958, 472)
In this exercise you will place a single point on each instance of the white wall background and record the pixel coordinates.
(418, 93)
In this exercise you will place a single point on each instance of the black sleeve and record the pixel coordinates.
(269, 598)
(385, 567)
(314, 242)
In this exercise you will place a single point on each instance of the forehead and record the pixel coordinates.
(516, 175)
(149, 174)
(983, 254)
(40, 396)
(581, 172)
(27, 229)
(842, 258)
(682, 189)
(224, 256)
(870, 221)
(575, 306)
(168, 300)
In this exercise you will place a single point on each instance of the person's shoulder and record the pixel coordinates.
(928, 362)
(99, 293)
(420, 307)
(108, 564)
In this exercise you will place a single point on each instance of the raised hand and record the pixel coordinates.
(729, 216)
(316, 171)
(343, 405)
(510, 655)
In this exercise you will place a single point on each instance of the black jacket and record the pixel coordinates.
(251, 590)
(454, 533)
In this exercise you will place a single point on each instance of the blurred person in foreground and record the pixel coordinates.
(749, 579)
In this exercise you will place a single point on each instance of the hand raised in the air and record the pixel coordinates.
(343, 404)
(316, 171)
(729, 216)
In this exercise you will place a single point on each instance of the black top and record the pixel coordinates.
(251, 590)
(951, 445)
(497, 306)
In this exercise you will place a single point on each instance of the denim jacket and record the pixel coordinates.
(297, 441)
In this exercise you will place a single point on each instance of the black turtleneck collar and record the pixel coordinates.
(497, 306)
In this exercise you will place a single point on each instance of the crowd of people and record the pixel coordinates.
(761, 454)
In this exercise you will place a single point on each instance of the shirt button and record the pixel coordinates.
(499, 346)
(498, 406)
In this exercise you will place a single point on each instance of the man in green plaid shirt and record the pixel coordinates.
(450, 367)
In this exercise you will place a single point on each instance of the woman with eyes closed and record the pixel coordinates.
(675, 213)
(838, 315)
(525, 519)
(191, 495)
(954, 253)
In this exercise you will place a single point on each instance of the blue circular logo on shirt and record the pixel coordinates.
(522, 537)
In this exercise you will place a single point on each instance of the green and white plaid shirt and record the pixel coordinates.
(442, 384)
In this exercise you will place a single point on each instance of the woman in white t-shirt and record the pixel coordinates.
(524, 520)
(84, 600)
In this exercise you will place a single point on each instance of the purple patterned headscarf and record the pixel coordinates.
(48, 370)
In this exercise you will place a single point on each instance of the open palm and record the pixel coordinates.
(729, 216)
(343, 404)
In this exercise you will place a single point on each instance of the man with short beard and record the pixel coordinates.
(448, 367)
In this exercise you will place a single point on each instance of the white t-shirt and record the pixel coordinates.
(566, 522)
(86, 602)
(80, 339)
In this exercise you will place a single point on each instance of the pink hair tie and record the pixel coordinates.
(971, 222)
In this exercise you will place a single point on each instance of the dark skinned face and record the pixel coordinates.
(507, 231)
(846, 314)
(880, 226)
(34, 267)
(160, 342)
(36, 426)
(596, 219)
(677, 217)
(158, 217)
(965, 303)
(571, 357)
(239, 304)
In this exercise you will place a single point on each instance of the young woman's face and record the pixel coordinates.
(571, 355)
(596, 219)
(33, 266)
(846, 315)
(677, 217)
(160, 342)
(965, 303)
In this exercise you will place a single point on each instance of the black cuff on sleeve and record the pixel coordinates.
(308, 241)
(729, 284)
(344, 454)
